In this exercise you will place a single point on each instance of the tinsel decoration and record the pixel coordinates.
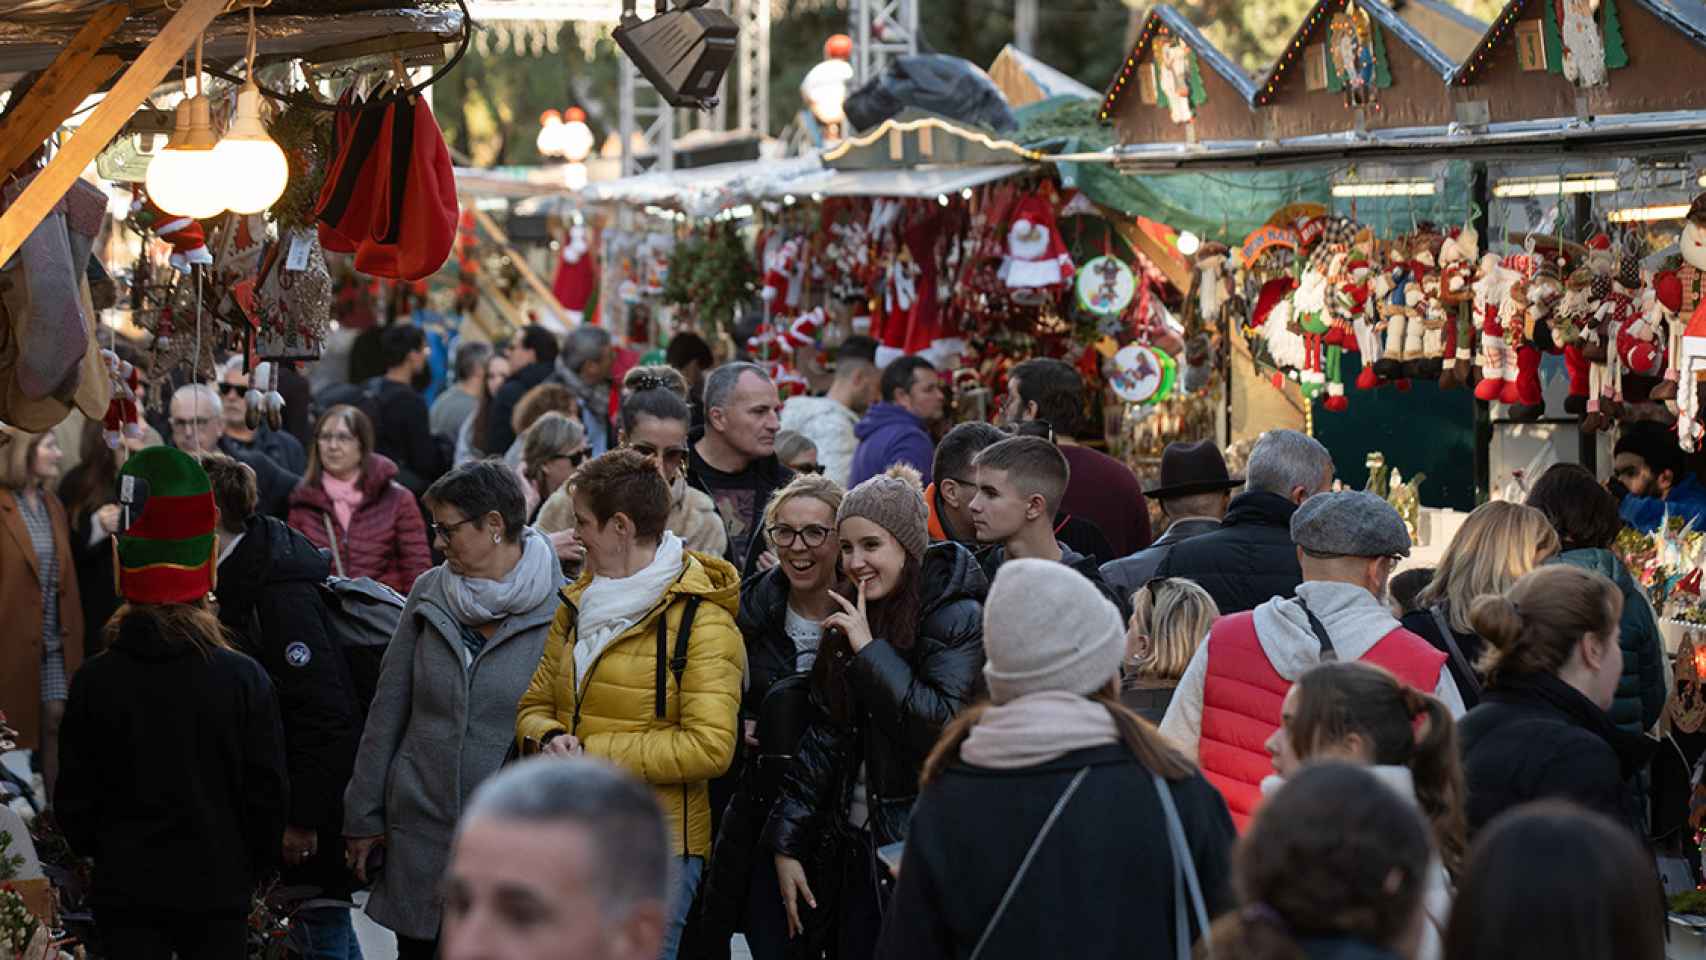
(305, 136)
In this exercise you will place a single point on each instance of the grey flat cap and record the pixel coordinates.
(1351, 523)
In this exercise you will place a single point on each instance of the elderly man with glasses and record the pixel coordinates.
(199, 426)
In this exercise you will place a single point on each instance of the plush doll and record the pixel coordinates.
(1457, 255)
(1573, 330)
(1394, 312)
(1498, 359)
(1682, 288)
(1543, 293)
(124, 411)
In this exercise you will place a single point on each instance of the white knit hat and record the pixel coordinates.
(1047, 627)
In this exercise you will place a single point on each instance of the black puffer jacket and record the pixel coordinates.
(901, 701)
(1534, 737)
(172, 776)
(270, 601)
(1248, 561)
(991, 559)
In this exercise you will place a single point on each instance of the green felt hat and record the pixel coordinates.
(166, 549)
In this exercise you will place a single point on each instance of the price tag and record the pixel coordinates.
(297, 258)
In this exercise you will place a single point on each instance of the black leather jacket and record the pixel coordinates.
(901, 702)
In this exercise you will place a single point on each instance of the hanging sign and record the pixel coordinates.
(1264, 237)
(1105, 286)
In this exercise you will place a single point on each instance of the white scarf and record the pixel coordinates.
(476, 602)
(1037, 728)
(610, 606)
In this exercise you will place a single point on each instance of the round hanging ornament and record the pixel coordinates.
(1143, 374)
(1106, 286)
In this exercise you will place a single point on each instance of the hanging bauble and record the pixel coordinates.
(1106, 286)
(1143, 374)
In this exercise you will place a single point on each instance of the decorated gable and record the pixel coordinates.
(1175, 86)
(1354, 64)
(1563, 58)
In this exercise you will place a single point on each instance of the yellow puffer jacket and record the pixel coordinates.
(680, 752)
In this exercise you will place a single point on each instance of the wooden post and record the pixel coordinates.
(155, 62)
(496, 232)
(78, 71)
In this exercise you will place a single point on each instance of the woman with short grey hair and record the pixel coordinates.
(442, 718)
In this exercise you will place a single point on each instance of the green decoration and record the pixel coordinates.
(1335, 79)
(1616, 56)
(1382, 73)
(1160, 89)
(1554, 40)
(712, 275)
(305, 136)
(1199, 94)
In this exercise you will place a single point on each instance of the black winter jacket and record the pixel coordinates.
(1248, 561)
(1641, 692)
(991, 559)
(1535, 737)
(901, 702)
(270, 600)
(1422, 624)
(1104, 872)
(172, 773)
(499, 435)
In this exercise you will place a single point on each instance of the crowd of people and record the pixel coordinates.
(673, 660)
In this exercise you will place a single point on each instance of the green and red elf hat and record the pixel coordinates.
(166, 549)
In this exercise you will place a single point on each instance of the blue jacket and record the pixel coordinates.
(890, 434)
(1641, 690)
(1687, 500)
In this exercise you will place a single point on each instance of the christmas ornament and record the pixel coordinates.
(1037, 265)
(124, 411)
(1142, 374)
(189, 243)
(577, 274)
(1106, 286)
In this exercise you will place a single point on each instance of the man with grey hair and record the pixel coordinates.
(558, 859)
(1250, 559)
(198, 426)
(584, 367)
(456, 404)
(1227, 712)
(733, 457)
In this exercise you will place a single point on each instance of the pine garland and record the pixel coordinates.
(711, 274)
(305, 136)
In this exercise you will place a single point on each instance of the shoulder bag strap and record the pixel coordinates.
(1025, 864)
(678, 663)
(332, 538)
(1184, 877)
(1328, 653)
(1457, 657)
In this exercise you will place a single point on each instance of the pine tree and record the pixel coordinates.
(1616, 56)
(1554, 38)
(1382, 73)
(1199, 94)
(1160, 87)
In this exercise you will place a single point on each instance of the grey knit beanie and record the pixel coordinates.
(894, 501)
(1047, 627)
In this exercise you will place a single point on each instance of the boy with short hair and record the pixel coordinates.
(1020, 483)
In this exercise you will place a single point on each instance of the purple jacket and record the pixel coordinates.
(890, 434)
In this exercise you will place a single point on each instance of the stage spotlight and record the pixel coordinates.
(682, 52)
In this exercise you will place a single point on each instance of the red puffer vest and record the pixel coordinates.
(1242, 694)
(386, 538)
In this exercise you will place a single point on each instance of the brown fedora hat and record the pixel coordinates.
(1192, 468)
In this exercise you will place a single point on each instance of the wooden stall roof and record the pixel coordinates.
(1224, 113)
(1025, 80)
(1454, 32)
(1295, 103)
(1502, 80)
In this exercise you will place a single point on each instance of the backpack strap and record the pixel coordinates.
(1443, 624)
(677, 664)
(1328, 652)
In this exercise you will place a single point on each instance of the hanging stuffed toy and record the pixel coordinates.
(1681, 287)
(1457, 257)
(1545, 291)
(784, 275)
(1393, 310)
(577, 274)
(1037, 265)
(123, 418)
(189, 242)
(1572, 329)
(1498, 358)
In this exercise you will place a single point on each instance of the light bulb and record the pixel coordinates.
(550, 137)
(252, 168)
(574, 137)
(574, 175)
(182, 179)
(825, 90)
(1189, 243)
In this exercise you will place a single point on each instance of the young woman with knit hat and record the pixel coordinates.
(173, 778)
(897, 661)
(1043, 828)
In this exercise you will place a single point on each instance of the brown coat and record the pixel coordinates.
(20, 598)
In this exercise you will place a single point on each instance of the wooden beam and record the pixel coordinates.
(538, 286)
(78, 71)
(144, 74)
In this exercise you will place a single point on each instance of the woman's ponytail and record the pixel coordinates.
(1437, 770)
(1535, 626)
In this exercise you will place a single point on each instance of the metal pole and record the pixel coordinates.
(1025, 25)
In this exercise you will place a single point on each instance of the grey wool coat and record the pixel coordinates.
(439, 725)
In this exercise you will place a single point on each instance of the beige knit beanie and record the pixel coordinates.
(893, 500)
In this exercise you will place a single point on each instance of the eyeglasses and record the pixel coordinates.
(336, 439)
(446, 530)
(575, 459)
(671, 458)
(232, 389)
(808, 468)
(813, 536)
(193, 423)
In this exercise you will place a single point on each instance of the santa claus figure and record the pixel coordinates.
(1457, 257)
(1037, 266)
(1543, 293)
(577, 274)
(1498, 357)
(1682, 290)
(1573, 330)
